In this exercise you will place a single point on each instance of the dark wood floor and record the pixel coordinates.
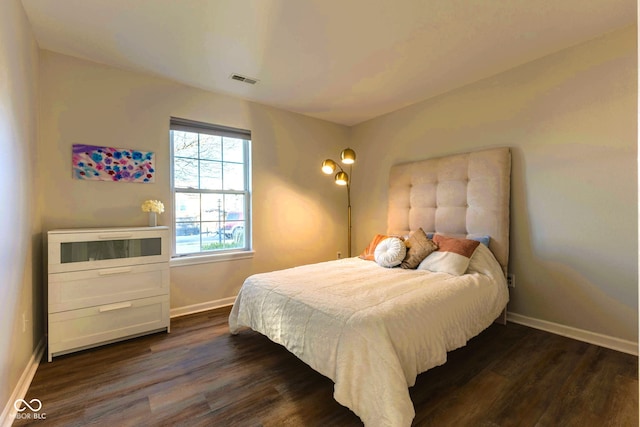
(200, 375)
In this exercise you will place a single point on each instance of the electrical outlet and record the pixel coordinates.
(511, 280)
(338, 255)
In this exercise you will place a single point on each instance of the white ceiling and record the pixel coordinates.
(345, 61)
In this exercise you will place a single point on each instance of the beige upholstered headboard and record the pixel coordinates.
(463, 195)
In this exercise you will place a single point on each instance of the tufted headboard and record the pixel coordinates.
(462, 195)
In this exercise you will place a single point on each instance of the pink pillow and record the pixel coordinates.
(452, 256)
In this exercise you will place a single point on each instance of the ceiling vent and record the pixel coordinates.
(245, 79)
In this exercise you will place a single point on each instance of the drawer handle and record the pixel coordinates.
(114, 271)
(114, 236)
(112, 307)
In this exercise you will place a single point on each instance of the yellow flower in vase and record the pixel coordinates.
(154, 207)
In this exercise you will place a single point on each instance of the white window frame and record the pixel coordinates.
(219, 254)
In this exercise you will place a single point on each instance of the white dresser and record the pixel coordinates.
(105, 285)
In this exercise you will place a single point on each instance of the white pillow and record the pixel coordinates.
(452, 256)
(390, 252)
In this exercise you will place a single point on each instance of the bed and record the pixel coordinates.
(373, 329)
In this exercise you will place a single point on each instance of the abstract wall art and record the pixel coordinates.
(113, 164)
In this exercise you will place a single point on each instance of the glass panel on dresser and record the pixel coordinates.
(109, 249)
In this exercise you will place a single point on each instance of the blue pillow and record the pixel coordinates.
(482, 239)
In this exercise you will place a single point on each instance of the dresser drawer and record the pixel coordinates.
(77, 329)
(78, 250)
(79, 289)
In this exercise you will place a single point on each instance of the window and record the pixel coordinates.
(211, 188)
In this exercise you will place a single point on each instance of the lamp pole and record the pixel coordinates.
(349, 214)
(329, 166)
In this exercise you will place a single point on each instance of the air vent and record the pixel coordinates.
(245, 79)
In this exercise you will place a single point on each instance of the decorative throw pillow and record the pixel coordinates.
(485, 240)
(369, 252)
(452, 256)
(390, 252)
(419, 246)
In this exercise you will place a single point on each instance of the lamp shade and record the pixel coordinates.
(328, 166)
(348, 156)
(342, 178)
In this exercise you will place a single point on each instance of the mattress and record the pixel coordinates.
(372, 329)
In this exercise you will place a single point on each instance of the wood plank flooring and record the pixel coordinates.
(200, 375)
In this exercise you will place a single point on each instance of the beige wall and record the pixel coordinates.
(87, 103)
(20, 258)
(571, 120)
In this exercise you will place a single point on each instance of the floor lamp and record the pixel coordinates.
(348, 157)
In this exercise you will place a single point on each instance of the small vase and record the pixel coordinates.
(153, 219)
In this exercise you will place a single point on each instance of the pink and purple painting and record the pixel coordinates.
(113, 164)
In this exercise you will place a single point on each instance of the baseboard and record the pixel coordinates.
(601, 340)
(204, 306)
(9, 412)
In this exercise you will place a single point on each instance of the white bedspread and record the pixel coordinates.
(371, 329)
